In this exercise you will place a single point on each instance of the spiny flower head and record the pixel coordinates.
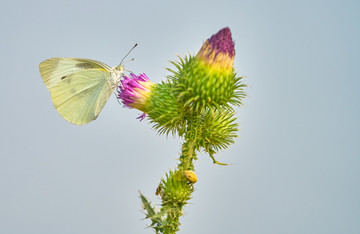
(208, 79)
(158, 101)
(218, 131)
(134, 91)
(176, 190)
(164, 111)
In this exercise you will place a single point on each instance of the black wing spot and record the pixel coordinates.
(63, 77)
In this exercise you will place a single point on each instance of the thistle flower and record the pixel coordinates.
(208, 79)
(218, 51)
(134, 91)
(158, 101)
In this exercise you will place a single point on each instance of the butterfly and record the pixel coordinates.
(80, 88)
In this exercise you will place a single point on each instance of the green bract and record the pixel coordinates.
(198, 86)
(164, 110)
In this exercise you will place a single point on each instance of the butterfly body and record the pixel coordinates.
(79, 88)
(116, 75)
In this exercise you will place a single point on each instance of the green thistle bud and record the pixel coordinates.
(208, 79)
(218, 130)
(175, 189)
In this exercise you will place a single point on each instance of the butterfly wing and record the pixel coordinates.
(79, 87)
(52, 70)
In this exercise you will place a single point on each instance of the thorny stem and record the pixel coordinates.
(187, 156)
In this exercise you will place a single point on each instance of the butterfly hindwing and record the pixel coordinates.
(80, 97)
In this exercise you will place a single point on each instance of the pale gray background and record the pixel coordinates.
(295, 166)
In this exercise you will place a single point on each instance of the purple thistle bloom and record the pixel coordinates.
(219, 51)
(134, 92)
(222, 42)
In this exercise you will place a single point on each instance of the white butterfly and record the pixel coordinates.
(79, 88)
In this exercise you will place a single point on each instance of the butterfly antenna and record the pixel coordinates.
(128, 53)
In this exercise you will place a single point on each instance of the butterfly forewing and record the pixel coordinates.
(55, 69)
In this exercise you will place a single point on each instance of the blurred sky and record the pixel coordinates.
(295, 166)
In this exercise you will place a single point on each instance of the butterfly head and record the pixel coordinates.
(119, 69)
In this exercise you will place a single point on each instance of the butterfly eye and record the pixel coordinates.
(190, 176)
